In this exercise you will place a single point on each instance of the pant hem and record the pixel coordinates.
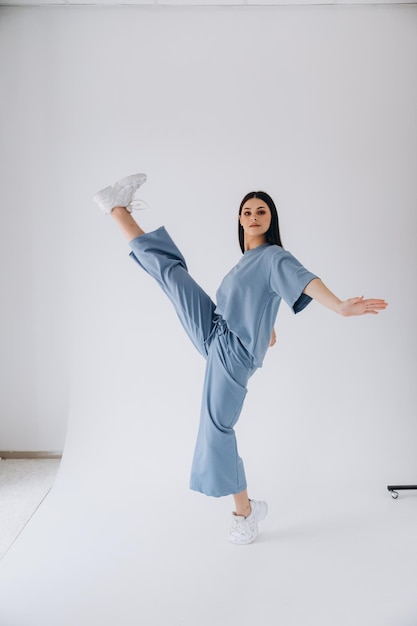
(216, 494)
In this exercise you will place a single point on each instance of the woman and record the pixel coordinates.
(233, 335)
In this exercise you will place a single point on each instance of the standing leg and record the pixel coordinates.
(217, 468)
(242, 504)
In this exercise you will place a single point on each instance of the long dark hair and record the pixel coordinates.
(272, 235)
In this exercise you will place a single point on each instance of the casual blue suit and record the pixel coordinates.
(233, 336)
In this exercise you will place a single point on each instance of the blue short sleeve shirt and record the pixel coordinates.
(249, 296)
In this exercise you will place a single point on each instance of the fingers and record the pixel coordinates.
(373, 306)
(360, 306)
(376, 304)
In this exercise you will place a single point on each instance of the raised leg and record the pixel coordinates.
(124, 220)
(158, 255)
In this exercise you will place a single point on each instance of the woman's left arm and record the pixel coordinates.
(317, 290)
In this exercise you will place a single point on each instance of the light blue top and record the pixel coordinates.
(249, 296)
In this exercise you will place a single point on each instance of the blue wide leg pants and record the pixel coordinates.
(217, 469)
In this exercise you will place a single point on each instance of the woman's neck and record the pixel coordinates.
(254, 242)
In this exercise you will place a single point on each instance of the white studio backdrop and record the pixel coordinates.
(315, 105)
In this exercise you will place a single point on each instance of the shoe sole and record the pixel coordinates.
(97, 197)
(243, 543)
(134, 179)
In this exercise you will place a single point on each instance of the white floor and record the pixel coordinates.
(104, 550)
(24, 483)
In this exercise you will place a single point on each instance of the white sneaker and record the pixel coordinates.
(245, 529)
(121, 193)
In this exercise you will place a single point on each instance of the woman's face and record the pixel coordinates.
(255, 220)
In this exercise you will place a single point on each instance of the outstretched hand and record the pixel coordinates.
(360, 306)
